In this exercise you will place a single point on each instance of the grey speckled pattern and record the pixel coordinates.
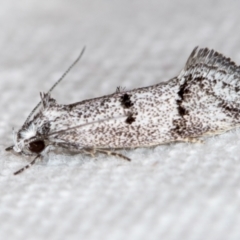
(177, 191)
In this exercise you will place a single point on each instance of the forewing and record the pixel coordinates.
(141, 117)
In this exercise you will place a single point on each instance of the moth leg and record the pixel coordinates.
(193, 140)
(71, 147)
(110, 153)
(91, 152)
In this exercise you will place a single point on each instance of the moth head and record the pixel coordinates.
(28, 141)
(31, 138)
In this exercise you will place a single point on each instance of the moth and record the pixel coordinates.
(203, 100)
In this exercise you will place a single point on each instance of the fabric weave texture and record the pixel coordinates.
(171, 192)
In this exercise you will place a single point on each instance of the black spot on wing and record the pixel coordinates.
(126, 101)
(181, 110)
(130, 119)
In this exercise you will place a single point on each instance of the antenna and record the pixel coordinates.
(56, 83)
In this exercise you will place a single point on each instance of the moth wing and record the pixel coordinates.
(209, 93)
(203, 62)
(137, 118)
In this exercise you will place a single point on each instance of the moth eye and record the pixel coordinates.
(36, 146)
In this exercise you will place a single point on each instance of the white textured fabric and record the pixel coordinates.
(171, 192)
